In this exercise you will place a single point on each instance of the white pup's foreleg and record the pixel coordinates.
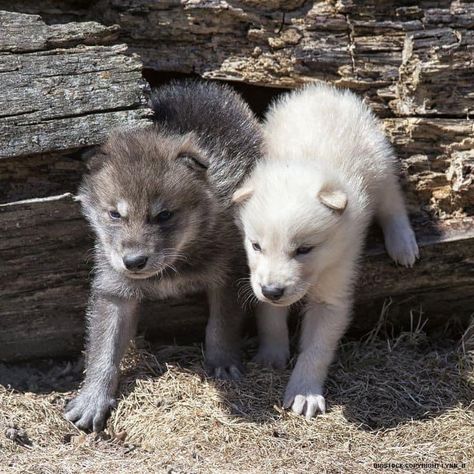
(323, 326)
(400, 240)
(274, 346)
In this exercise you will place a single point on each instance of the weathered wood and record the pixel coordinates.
(63, 86)
(414, 59)
(27, 33)
(46, 257)
(406, 57)
(60, 99)
(285, 43)
(40, 175)
(409, 60)
(44, 273)
(437, 157)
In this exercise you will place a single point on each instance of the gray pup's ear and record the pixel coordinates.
(193, 160)
(242, 194)
(191, 154)
(334, 198)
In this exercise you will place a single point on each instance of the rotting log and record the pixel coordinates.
(62, 88)
(46, 250)
(44, 276)
(411, 58)
(413, 63)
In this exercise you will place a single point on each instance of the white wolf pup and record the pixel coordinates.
(305, 211)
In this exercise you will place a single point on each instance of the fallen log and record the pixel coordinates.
(46, 254)
(63, 90)
(413, 63)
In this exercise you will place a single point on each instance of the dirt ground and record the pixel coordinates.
(395, 404)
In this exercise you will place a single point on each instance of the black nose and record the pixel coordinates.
(135, 262)
(272, 292)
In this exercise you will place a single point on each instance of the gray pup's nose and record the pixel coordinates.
(135, 262)
(272, 292)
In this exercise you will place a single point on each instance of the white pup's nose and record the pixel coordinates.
(272, 292)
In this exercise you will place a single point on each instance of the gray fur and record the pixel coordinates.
(142, 173)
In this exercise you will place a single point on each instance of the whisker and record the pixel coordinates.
(249, 301)
(170, 252)
(244, 292)
(243, 280)
(173, 268)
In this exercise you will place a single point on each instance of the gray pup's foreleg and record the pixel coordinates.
(112, 323)
(223, 334)
(273, 340)
(322, 328)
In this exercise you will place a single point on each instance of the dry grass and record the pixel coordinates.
(400, 400)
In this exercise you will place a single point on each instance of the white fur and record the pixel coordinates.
(122, 208)
(328, 169)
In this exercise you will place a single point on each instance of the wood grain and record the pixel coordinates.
(45, 256)
(65, 81)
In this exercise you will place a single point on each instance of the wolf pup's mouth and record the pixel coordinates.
(141, 275)
(281, 304)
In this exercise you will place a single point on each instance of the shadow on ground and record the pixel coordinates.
(379, 382)
(42, 376)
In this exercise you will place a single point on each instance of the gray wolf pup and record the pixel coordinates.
(159, 201)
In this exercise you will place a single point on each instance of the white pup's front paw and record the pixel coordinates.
(304, 398)
(400, 242)
(274, 356)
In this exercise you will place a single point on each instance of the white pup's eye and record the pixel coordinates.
(303, 250)
(256, 247)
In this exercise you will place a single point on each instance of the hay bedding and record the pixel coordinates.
(391, 400)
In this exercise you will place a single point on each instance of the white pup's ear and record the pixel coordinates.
(334, 198)
(242, 194)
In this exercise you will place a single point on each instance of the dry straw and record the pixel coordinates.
(403, 399)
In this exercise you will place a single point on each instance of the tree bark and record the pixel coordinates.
(46, 252)
(64, 86)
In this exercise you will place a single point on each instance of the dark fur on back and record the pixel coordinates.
(223, 122)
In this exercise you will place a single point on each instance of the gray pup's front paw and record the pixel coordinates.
(224, 366)
(90, 409)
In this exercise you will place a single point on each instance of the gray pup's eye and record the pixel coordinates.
(115, 215)
(163, 216)
(303, 250)
(256, 247)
